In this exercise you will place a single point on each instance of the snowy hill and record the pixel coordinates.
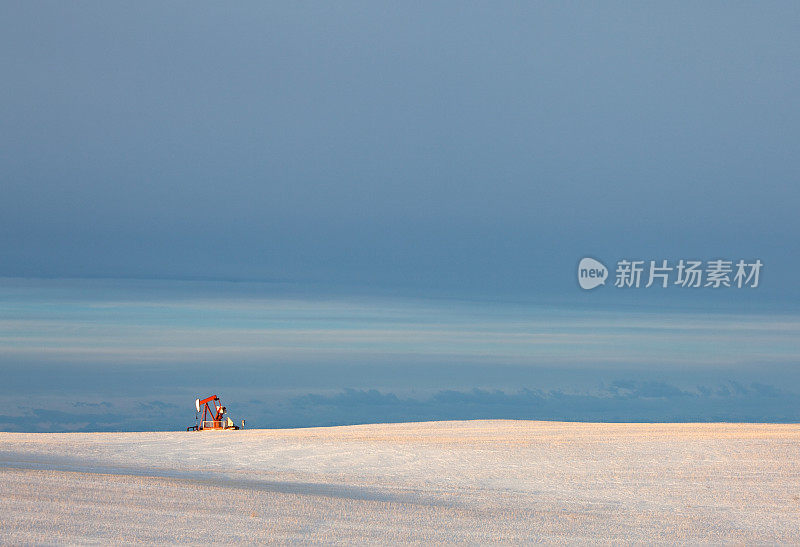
(476, 481)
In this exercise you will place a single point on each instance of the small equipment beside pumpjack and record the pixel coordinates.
(213, 417)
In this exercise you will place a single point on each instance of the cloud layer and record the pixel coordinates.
(620, 401)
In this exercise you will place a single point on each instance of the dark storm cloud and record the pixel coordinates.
(471, 147)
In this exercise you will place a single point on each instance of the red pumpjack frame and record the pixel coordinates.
(212, 417)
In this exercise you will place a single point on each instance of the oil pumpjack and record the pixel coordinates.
(213, 416)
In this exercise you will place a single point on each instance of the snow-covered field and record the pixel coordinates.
(475, 481)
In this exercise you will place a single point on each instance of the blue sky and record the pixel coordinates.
(419, 180)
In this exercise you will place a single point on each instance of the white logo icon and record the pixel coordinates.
(591, 273)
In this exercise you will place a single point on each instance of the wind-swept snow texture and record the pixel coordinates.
(477, 481)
